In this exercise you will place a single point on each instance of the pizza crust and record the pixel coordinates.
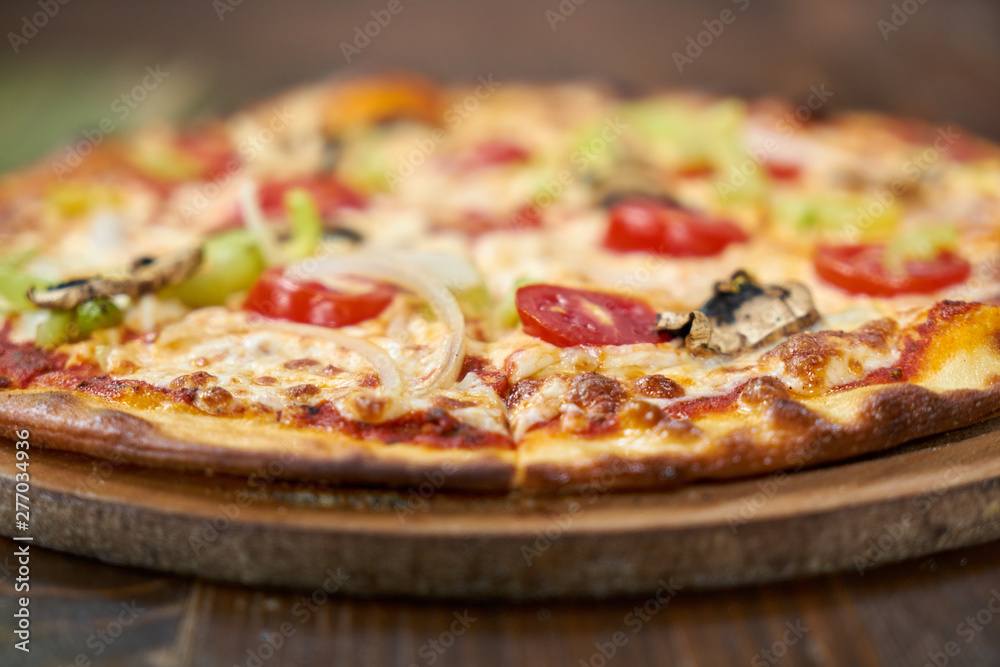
(803, 437)
(81, 424)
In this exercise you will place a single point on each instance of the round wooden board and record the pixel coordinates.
(937, 494)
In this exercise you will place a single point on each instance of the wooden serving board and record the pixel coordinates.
(937, 494)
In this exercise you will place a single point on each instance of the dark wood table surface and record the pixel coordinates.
(89, 613)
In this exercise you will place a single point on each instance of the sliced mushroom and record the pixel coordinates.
(742, 315)
(147, 275)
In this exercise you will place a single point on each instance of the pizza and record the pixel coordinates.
(493, 287)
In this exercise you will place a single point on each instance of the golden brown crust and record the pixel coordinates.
(889, 416)
(77, 423)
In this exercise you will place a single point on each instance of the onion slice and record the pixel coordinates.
(392, 267)
(253, 219)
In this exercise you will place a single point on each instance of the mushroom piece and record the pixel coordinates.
(742, 315)
(147, 275)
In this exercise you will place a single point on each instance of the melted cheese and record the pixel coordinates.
(251, 360)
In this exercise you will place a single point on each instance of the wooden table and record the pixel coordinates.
(900, 615)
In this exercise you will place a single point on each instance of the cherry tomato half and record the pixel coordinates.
(565, 316)
(861, 269)
(277, 295)
(648, 225)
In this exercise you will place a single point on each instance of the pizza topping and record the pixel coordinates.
(327, 192)
(299, 364)
(435, 427)
(300, 392)
(815, 361)
(864, 269)
(566, 316)
(597, 394)
(15, 282)
(217, 400)
(782, 171)
(919, 244)
(653, 225)
(522, 391)
(393, 268)
(232, 262)
(641, 414)
(833, 216)
(165, 158)
(657, 386)
(277, 293)
(492, 154)
(195, 380)
(20, 363)
(763, 390)
(307, 226)
(742, 315)
(145, 277)
(388, 372)
(381, 100)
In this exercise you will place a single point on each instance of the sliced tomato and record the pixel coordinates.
(861, 269)
(565, 316)
(647, 225)
(328, 192)
(278, 295)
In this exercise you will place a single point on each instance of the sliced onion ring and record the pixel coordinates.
(392, 268)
